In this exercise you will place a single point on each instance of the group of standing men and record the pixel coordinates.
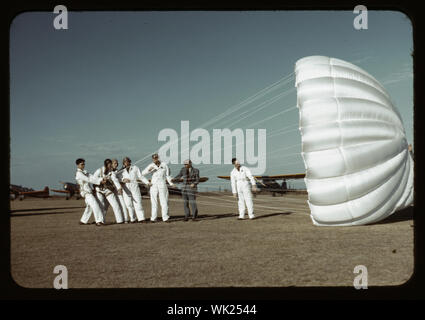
(119, 188)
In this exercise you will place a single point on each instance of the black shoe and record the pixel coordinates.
(153, 221)
(241, 219)
(186, 219)
(194, 219)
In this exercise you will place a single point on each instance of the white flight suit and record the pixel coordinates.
(107, 197)
(84, 179)
(240, 180)
(160, 174)
(121, 200)
(131, 191)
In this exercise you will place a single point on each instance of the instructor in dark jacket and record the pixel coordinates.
(190, 177)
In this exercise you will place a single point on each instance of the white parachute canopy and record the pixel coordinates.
(358, 167)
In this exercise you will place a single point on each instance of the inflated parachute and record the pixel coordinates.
(358, 167)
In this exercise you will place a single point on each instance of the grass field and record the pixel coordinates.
(280, 248)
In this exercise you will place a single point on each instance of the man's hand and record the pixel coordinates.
(192, 185)
(254, 188)
(104, 180)
(172, 185)
(120, 191)
(126, 180)
(235, 195)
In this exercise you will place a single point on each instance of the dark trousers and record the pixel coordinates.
(189, 198)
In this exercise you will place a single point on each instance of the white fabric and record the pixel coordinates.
(92, 206)
(131, 191)
(108, 197)
(161, 191)
(84, 179)
(160, 176)
(241, 176)
(123, 207)
(358, 168)
(241, 181)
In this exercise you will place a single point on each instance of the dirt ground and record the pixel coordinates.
(278, 249)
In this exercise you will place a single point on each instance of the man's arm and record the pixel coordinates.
(196, 172)
(233, 184)
(146, 170)
(177, 177)
(90, 179)
(115, 181)
(250, 177)
(141, 177)
(168, 177)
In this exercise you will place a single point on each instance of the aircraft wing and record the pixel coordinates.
(284, 176)
(61, 191)
(275, 177)
(201, 179)
(44, 192)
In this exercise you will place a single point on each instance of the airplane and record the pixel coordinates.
(22, 192)
(270, 184)
(70, 189)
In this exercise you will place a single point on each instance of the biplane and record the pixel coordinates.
(70, 189)
(22, 192)
(271, 184)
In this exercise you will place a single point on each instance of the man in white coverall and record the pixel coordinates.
(241, 180)
(106, 193)
(131, 176)
(160, 174)
(84, 179)
(120, 195)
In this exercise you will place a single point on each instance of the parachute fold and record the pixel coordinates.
(358, 167)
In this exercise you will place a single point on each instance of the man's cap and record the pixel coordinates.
(187, 161)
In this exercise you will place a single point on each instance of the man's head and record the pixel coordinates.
(114, 164)
(155, 158)
(126, 162)
(188, 163)
(236, 163)
(108, 164)
(80, 163)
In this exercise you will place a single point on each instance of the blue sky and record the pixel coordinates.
(109, 84)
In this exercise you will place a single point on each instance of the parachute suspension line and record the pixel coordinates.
(282, 149)
(248, 100)
(272, 116)
(282, 130)
(238, 106)
(267, 103)
(264, 105)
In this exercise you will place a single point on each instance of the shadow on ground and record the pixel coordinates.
(44, 209)
(399, 216)
(35, 214)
